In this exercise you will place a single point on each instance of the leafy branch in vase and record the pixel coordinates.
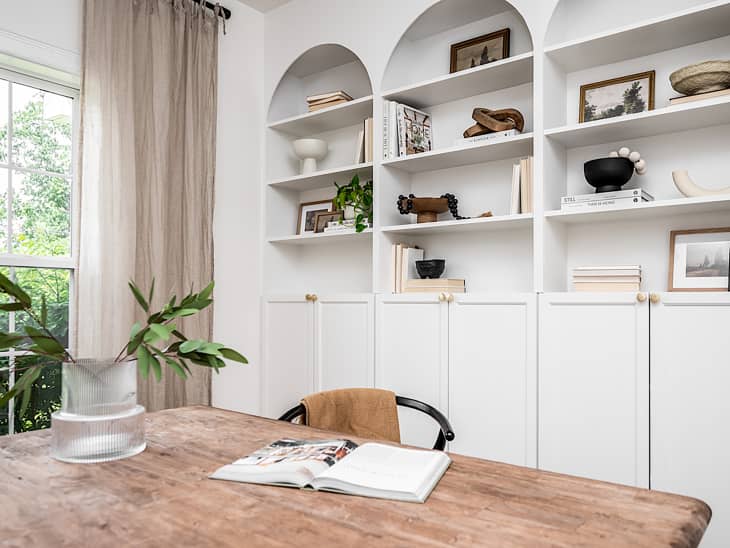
(156, 343)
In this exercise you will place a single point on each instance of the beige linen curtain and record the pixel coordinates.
(149, 89)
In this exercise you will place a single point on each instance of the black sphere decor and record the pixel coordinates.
(431, 268)
(608, 174)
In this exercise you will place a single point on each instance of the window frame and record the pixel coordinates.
(14, 260)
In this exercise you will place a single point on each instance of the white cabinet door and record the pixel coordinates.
(344, 342)
(288, 353)
(412, 358)
(690, 406)
(594, 386)
(492, 377)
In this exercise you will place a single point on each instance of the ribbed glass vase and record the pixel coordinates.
(99, 419)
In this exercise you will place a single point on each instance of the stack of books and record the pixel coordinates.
(522, 185)
(326, 100)
(406, 130)
(606, 200)
(487, 137)
(607, 278)
(405, 278)
(699, 97)
(342, 226)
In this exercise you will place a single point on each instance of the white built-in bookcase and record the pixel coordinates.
(504, 253)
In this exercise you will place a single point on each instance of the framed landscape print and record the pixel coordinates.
(321, 220)
(480, 50)
(699, 260)
(308, 215)
(617, 97)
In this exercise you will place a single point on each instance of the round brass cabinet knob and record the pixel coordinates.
(641, 297)
(442, 297)
(655, 298)
(308, 297)
(450, 297)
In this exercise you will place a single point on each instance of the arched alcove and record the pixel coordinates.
(322, 68)
(423, 52)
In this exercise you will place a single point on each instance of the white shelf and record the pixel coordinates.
(697, 24)
(312, 123)
(711, 112)
(324, 178)
(324, 238)
(504, 222)
(503, 74)
(651, 210)
(445, 158)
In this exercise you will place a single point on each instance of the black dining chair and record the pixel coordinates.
(445, 432)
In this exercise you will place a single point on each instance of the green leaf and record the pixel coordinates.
(180, 313)
(143, 360)
(13, 307)
(200, 304)
(150, 337)
(10, 340)
(28, 378)
(191, 346)
(179, 335)
(138, 295)
(156, 368)
(212, 349)
(136, 328)
(176, 367)
(231, 354)
(9, 395)
(162, 332)
(14, 290)
(207, 292)
(48, 344)
(44, 311)
(152, 292)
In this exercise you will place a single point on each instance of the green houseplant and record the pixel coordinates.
(99, 419)
(359, 198)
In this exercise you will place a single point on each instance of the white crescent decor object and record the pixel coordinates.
(690, 189)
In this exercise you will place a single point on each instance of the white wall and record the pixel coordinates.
(237, 230)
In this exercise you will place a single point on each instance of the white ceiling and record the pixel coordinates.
(262, 5)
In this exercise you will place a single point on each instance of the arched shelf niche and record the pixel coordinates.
(423, 52)
(322, 68)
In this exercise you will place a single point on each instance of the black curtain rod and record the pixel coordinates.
(224, 11)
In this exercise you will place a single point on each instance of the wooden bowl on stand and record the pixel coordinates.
(426, 209)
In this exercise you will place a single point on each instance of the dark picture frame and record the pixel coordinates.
(585, 89)
(679, 262)
(321, 220)
(482, 41)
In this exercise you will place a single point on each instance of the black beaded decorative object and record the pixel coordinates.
(406, 204)
(454, 206)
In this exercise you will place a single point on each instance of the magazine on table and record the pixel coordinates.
(341, 466)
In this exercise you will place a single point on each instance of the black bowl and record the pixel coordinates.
(608, 174)
(432, 268)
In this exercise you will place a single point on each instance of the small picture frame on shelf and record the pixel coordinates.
(308, 211)
(480, 50)
(321, 220)
(699, 259)
(617, 97)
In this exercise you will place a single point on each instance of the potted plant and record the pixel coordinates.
(356, 202)
(99, 419)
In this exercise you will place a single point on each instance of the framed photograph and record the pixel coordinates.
(698, 259)
(321, 220)
(480, 50)
(617, 97)
(308, 215)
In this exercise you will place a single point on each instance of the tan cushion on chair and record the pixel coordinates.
(364, 412)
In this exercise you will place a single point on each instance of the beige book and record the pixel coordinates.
(700, 97)
(435, 282)
(607, 279)
(601, 287)
(398, 267)
(328, 95)
(315, 108)
(435, 290)
(369, 140)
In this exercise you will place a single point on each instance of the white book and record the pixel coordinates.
(369, 140)
(487, 137)
(408, 270)
(607, 279)
(398, 267)
(613, 269)
(631, 193)
(393, 130)
(514, 207)
(386, 130)
(360, 147)
(341, 466)
(526, 185)
(393, 268)
(619, 203)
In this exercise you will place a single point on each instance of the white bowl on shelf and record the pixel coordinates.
(309, 152)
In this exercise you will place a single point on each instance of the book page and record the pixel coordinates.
(287, 461)
(385, 468)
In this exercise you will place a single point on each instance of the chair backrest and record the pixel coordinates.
(445, 432)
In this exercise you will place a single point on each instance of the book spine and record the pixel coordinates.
(604, 204)
(393, 130)
(402, 133)
(386, 128)
(487, 137)
(637, 192)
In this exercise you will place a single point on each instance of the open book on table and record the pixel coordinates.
(370, 470)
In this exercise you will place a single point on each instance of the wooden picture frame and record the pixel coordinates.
(478, 41)
(321, 220)
(308, 214)
(680, 253)
(583, 110)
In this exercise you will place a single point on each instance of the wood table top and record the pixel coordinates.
(162, 497)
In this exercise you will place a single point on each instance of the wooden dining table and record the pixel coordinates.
(163, 497)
